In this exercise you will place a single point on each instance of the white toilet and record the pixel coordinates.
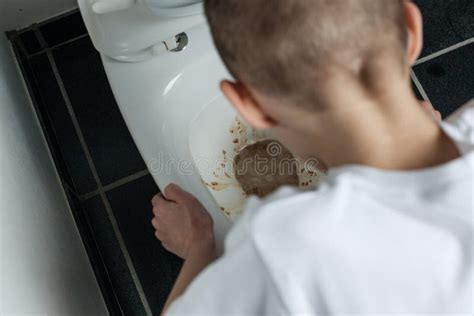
(164, 83)
(165, 71)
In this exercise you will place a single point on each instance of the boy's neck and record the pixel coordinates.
(395, 135)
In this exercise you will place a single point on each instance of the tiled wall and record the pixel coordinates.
(104, 174)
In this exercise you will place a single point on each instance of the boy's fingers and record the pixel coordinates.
(159, 203)
(156, 199)
(155, 223)
(157, 235)
(176, 194)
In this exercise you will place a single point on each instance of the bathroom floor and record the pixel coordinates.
(104, 176)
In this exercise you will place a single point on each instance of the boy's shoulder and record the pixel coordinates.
(460, 127)
(287, 212)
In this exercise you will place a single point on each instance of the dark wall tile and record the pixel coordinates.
(63, 29)
(446, 23)
(112, 147)
(449, 79)
(49, 98)
(111, 254)
(156, 268)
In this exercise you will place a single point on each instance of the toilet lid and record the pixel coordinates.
(175, 8)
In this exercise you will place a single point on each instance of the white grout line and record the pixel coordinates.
(89, 195)
(126, 180)
(116, 184)
(58, 45)
(95, 174)
(444, 51)
(419, 86)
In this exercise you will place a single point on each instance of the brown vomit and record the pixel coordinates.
(265, 166)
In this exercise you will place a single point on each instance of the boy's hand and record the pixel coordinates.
(181, 222)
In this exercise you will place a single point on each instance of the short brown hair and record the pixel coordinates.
(277, 46)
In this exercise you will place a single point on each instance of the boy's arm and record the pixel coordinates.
(199, 257)
(185, 228)
(237, 283)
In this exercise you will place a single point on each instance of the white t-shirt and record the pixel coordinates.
(367, 242)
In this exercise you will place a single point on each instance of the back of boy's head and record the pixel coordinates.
(282, 48)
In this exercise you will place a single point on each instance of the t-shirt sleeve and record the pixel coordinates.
(236, 284)
(460, 127)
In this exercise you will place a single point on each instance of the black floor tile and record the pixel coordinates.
(49, 98)
(42, 114)
(63, 29)
(156, 268)
(446, 23)
(449, 79)
(95, 258)
(112, 148)
(118, 272)
(30, 42)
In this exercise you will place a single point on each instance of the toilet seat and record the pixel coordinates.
(175, 8)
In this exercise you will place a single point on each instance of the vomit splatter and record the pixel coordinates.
(223, 177)
(217, 186)
(259, 181)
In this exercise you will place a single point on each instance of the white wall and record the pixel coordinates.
(15, 14)
(43, 265)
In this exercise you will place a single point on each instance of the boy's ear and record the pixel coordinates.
(246, 105)
(414, 21)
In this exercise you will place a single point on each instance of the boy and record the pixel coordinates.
(391, 229)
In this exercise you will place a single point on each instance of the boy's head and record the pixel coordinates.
(294, 52)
